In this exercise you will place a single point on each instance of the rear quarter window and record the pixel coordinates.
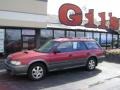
(92, 45)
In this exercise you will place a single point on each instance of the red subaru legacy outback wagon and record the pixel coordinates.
(56, 54)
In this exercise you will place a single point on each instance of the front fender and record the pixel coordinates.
(38, 60)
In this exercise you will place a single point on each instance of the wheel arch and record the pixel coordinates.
(94, 58)
(38, 61)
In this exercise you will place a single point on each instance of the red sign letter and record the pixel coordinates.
(114, 22)
(103, 21)
(71, 20)
(90, 17)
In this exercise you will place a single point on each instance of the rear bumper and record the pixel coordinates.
(16, 70)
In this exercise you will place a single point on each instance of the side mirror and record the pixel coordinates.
(56, 51)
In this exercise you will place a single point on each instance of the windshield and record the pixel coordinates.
(47, 47)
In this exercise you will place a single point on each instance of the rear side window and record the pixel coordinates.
(92, 45)
(71, 46)
(79, 46)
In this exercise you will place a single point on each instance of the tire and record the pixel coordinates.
(37, 71)
(91, 64)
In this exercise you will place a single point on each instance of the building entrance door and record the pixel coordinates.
(28, 42)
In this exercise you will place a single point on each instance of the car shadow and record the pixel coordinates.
(55, 78)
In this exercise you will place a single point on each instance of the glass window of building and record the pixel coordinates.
(13, 40)
(28, 39)
(2, 38)
(80, 34)
(59, 33)
(45, 35)
(109, 41)
(103, 40)
(70, 34)
(88, 34)
(28, 32)
(115, 41)
(97, 37)
(119, 42)
(92, 45)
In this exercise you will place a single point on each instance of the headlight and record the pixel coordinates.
(16, 62)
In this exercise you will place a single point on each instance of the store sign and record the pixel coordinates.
(76, 18)
(2, 32)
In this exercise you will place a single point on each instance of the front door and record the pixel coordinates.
(62, 59)
(28, 42)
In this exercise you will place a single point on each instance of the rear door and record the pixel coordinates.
(80, 53)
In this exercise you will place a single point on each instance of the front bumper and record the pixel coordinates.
(16, 70)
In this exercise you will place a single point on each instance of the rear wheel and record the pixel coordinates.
(37, 71)
(91, 64)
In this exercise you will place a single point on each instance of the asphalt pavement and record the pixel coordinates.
(105, 77)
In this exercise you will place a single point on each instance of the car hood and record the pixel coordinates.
(29, 54)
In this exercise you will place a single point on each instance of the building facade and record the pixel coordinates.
(24, 24)
(19, 21)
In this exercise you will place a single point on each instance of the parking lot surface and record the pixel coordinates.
(105, 77)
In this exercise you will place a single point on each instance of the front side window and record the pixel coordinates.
(92, 45)
(65, 47)
(47, 47)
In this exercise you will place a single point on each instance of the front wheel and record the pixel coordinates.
(91, 64)
(36, 71)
